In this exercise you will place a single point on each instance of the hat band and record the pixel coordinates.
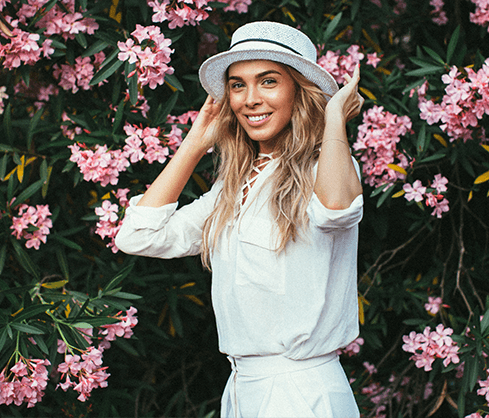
(265, 40)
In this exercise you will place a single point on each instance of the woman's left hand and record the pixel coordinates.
(347, 100)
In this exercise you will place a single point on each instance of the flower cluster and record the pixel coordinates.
(240, 6)
(429, 345)
(3, 95)
(484, 388)
(353, 348)
(377, 138)
(438, 15)
(380, 395)
(464, 104)
(153, 149)
(432, 196)
(338, 65)
(58, 20)
(477, 415)
(433, 305)
(174, 138)
(109, 223)
(179, 13)
(99, 164)
(121, 329)
(481, 14)
(25, 383)
(83, 373)
(36, 91)
(78, 76)
(151, 54)
(33, 224)
(23, 47)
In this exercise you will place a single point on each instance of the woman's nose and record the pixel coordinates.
(253, 97)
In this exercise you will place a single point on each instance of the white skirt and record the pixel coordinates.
(278, 387)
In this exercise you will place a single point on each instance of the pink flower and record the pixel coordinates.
(86, 371)
(416, 191)
(373, 60)
(353, 348)
(30, 216)
(430, 345)
(27, 383)
(119, 329)
(433, 305)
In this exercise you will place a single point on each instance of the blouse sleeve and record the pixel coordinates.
(329, 219)
(165, 232)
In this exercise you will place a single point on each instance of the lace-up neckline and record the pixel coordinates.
(258, 165)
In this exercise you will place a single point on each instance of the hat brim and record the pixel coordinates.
(212, 72)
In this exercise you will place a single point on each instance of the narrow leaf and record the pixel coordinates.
(32, 126)
(54, 285)
(119, 277)
(24, 259)
(3, 167)
(29, 329)
(172, 80)
(27, 193)
(106, 71)
(453, 44)
(397, 168)
(332, 26)
(482, 178)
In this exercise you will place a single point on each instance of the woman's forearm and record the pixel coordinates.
(169, 184)
(337, 183)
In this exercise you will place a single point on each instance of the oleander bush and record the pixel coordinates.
(96, 96)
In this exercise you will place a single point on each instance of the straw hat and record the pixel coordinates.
(266, 41)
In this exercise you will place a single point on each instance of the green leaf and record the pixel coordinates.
(118, 116)
(125, 295)
(434, 55)
(82, 325)
(453, 43)
(98, 46)
(133, 89)
(41, 344)
(3, 166)
(25, 261)
(63, 262)
(165, 109)
(172, 80)
(80, 38)
(3, 257)
(485, 322)
(106, 71)
(32, 311)
(28, 192)
(428, 69)
(421, 139)
(3, 338)
(66, 242)
(7, 123)
(332, 26)
(385, 195)
(29, 329)
(32, 126)
(119, 277)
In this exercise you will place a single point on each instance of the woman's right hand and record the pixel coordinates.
(203, 131)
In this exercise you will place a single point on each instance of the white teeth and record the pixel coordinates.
(257, 118)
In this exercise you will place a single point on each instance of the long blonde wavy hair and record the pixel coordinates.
(293, 179)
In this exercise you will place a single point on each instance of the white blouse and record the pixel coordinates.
(301, 302)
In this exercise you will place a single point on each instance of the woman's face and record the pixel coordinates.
(261, 95)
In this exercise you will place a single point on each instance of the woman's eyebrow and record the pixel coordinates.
(259, 75)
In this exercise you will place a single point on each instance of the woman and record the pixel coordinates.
(279, 228)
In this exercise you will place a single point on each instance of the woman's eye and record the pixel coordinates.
(237, 85)
(269, 81)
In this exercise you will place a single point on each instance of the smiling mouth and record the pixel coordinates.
(258, 118)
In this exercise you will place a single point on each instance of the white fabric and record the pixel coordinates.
(300, 303)
(277, 387)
